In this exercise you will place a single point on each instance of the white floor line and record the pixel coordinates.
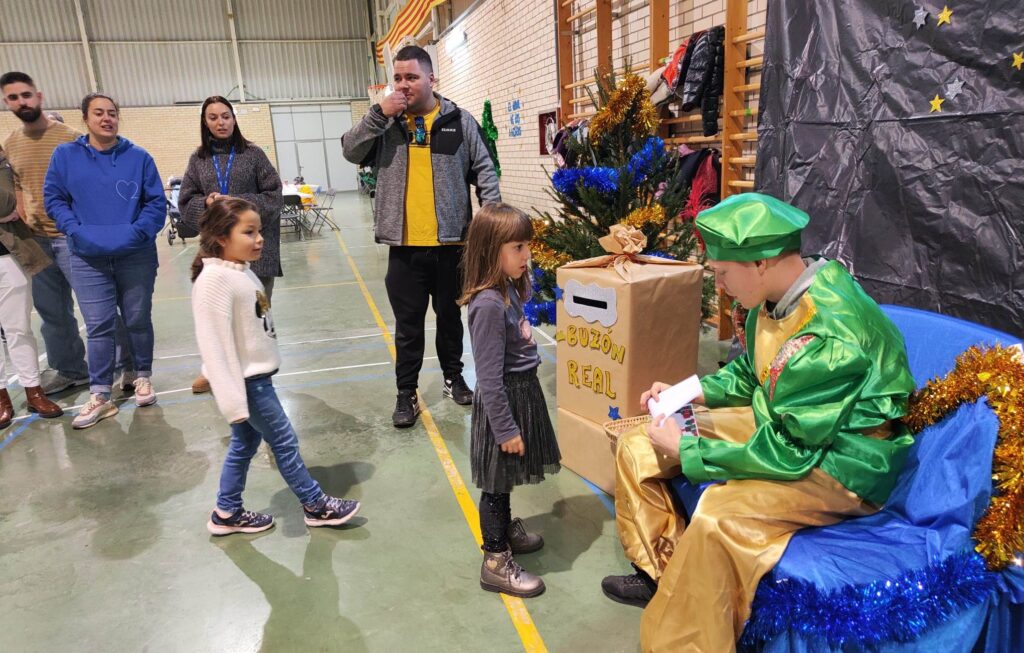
(551, 341)
(175, 257)
(292, 344)
(300, 373)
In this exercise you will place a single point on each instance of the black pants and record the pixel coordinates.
(495, 516)
(417, 275)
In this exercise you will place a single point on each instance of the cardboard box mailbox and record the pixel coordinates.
(622, 324)
(586, 449)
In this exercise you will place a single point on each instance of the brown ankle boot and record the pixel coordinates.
(6, 409)
(201, 385)
(38, 403)
(522, 541)
(500, 573)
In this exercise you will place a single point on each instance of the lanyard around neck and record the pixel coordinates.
(222, 179)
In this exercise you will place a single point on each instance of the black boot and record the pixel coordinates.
(456, 388)
(406, 409)
(635, 589)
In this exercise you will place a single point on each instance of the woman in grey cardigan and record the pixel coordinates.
(225, 163)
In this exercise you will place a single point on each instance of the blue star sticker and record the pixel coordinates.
(558, 294)
(613, 412)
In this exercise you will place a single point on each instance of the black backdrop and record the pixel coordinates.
(924, 207)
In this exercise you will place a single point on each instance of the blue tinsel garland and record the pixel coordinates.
(642, 164)
(539, 312)
(896, 610)
(568, 180)
(659, 254)
(645, 162)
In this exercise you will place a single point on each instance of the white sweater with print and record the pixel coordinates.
(235, 332)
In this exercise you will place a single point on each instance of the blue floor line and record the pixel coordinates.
(18, 430)
(602, 495)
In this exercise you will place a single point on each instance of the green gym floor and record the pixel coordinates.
(103, 543)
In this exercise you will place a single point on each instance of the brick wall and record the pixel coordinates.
(499, 62)
(170, 134)
(359, 109)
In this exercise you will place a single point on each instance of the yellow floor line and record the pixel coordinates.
(517, 611)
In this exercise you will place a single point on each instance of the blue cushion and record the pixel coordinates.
(934, 341)
(929, 516)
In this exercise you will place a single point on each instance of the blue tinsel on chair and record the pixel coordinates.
(894, 610)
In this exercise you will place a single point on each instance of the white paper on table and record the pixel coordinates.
(674, 398)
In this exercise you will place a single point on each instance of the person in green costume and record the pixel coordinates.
(803, 428)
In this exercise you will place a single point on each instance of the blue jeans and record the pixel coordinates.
(108, 284)
(51, 294)
(267, 421)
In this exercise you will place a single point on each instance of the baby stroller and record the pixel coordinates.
(176, 228)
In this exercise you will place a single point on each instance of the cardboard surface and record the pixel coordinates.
(617, 337)
(586, 449)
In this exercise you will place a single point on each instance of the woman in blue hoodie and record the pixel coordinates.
(105, 194)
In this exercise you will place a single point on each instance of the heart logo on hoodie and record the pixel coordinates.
(128, 190)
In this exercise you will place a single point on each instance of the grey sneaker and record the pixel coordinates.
(499, 572)
(330, 511)
(144, 395)
(97, 408)
(52, 381)
(242, 521)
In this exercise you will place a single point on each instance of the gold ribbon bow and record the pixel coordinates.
(623, 243)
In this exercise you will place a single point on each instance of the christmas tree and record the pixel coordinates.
(616, 171)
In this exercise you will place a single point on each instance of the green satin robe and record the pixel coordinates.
(842, 373)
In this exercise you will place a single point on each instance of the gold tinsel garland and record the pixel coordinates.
(630, 93)
(997, 374)
(544, 257)
(646, 215)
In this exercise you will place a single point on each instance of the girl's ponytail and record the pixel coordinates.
(197, 262)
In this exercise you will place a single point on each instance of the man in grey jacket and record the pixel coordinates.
(427, 153)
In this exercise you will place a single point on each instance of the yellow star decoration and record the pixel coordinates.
(1018, 60)
(937, 103)
(944, 16)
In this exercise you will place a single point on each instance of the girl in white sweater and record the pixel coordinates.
(238, 346)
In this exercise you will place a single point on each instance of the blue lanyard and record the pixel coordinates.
(223, 180)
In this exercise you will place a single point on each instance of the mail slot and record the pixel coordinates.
(615, 337)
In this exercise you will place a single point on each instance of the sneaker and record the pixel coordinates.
(635, 589)
(330, 511)
(97, 408)
(406, 409)
(243, 521)
(127, 382)
(455, 388)
(52, 381)
(144, 395)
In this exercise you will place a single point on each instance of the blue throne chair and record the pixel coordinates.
(906, 578)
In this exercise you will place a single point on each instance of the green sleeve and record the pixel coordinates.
(733, 385)
(812, 400)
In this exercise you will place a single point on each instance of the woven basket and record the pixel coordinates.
(617, 427)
